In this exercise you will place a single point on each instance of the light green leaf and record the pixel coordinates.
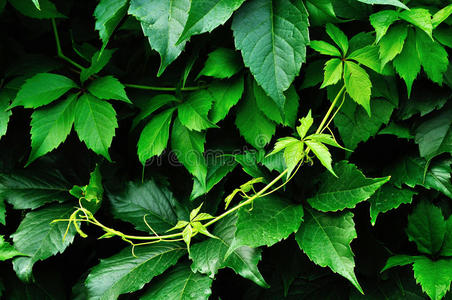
(42, 89)
(407, 64)
(433, 57)
(193, 111)
(326, 238)
(283, 143)
(398, 261)
(272, 36)
(108, 88)
(154, 137)
(108, 14)
(39, 239)
(441, 15)
(333, 72)
(324, 139)
(305, 125)
(381, 22)
(180, 283)
(385, 2)
(95, 123)
(32, 189)
(7, 251)
(293, 153)
(36, 3)
(322, 153)
(357, 84)
(427, 228)
(206, 15)
(369, 56)
(225, 95)
(98, 61)
(338, 36)
(349, 188)
(391, 44)
(46, 10)
(419, 17)
(131, 273)
(386, 198)
(209, 256)
(152, 105)
(189, 148)
(222, 63)
(4, 113)
(50, 126)
(433, 276)
(325, 48)
(162, 22)
(94, 192)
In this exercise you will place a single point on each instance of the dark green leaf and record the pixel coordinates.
(385, 2)
(108, 14)
(108, 88)
(7, 251)
(47, 9)
(407, 63)
(4, 113)
(222, 63)
(193, 112)
(152, 105)
(225, 95)
(98, 61)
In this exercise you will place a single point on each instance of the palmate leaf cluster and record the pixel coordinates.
(255, 149)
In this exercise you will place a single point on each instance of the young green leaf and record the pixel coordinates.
(357, 84)
(324, 139)
(282, 144)
(293, 154)
(322, 153)
(419, 17)
(152, 105)
(385, 2)
(193, 112)
(98, 61)
(4, 113)
(222, 63)
(7, 251)
(382, 20)
(369, 56)
(95, 123)
(108, 88)
(187, 234)
(154, 137)
(108, 14)
(280, 29)
(305, 125)
(333, 72)
(407, 64)
(225, 95)
(42, 89)
(391, 44)
(162, 22)
(398, 261)
(338, 36)
(325, 48)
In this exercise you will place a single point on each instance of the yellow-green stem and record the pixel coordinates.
(60, 51)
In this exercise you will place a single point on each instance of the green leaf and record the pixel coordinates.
(446, 249)
(252, 124)
(441, 15)
(326, 238)
(98, 61)
(291, 107)
(382, 20)
(266, 104)
(42, 89)
(270, 220)
(209, 256)
(225, 94)
(154, 137)
(312, 76)
(94, 192)
(222, 63)
(152, 105)
(349, 188)
(320, 12)
(369, 56)
(333, 72)
(338, 36)
(385, 2)
(407, 64)
(279, 30)
(398, 130)
(427, 228)
(325, 48)
(39, 239)
(180, 283)
(32, 189)
(193, 112)
(108, 88)
(433, 276)
(357, 84)
(433, 57)
(398, 261)
(131, 273)
(386, 198)
(419, 17)
(50, 126)
(150, 201)
(4, 113)
(36, 3)
(293, 153)
(205, 16)
(322, 153)
(305, 125)
(2, 211)
(46, 10)
(95, 123)
(162, 22)
(108, 14)
(189, 148)
(7, 251)
(442, 35)
(283, 143)
(391, 44)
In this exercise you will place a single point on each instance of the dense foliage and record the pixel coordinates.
(225, 149)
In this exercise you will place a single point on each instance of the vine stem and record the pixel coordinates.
(164, 89)
(60, 53)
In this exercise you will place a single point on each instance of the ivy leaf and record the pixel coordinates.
(279, 30)
(427, 228)
(433, 276)
(162, 22)
(189, 148)
(131, 273)
(42, 89)
(407, 63)
(98, 61)
(46, 10)
(369, 56)
(32, 189)
(322, 153)
(357, 84)
(225, 94)
(39, 239)
(385, 2)
(193, 112)
(382, 20)
(441, 15)
(333, 72)
(108, 14)
(338, 36)
(391, 44)
(386, 198)
(153, 105)
(209, 256)
(419, 17)
(293, 153)
(180, 283)
(4, 113)
(266, 104)
(347, 189)
(7, 251)
(154, 137)
(325, 48)
(50, 126)
(221, 63)
(326, 238)
(108, 88)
